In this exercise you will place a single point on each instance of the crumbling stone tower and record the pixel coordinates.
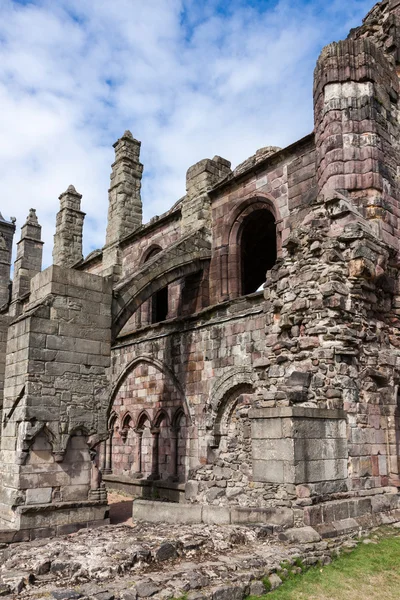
(238, 354)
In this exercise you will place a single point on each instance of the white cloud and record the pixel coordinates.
(190, 79)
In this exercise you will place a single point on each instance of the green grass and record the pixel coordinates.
(370, 572)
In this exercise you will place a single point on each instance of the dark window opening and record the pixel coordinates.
(258, 249)
(159, 306)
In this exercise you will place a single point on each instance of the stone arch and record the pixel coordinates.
(151, 444)
(184, 257)
(226, 409)
(127, 423)
(159, 366)
(236, 377)
(151, 251)
(246, 212)
(142, 418)
(162, 415)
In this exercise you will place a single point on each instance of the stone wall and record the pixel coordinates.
(269, 380)
(55, 394)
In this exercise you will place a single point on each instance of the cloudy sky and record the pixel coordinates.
(189, 78)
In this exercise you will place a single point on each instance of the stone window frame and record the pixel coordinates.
(151, 251)
(231, 267)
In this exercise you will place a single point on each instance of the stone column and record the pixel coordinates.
(29, 258)
(154, 457)
(104, 455)
(108, 453)
(125, 204)
(139, 433)
(67, 249)
(7, 230)
(174, 452)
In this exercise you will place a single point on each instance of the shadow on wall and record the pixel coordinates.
(65, 481)
(148, 427)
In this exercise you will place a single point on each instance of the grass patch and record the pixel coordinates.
(371, 571)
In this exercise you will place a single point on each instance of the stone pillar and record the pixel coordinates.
(29, 258)
(357, 130)
(200, 178)
(139, 433)
(154, 457)
(103, 455)
(7, 230)
(108, 454)
(67, 249)
(174, 452)
(304, 447)
(56, 398)
(125, 204)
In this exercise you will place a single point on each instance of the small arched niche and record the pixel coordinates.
(258, 249)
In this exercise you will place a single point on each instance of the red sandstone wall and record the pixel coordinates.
(284, 184)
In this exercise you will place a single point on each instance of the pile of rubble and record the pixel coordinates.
(162, 562)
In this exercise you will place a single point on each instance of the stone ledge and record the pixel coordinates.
(297, 411)
(158, 512)
(39, 508)
(159, 483)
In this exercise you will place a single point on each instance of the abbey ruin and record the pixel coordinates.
(238, 355)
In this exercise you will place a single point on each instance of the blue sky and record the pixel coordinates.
(189, 78)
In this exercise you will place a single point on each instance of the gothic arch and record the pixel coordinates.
(184, 257)
(179, 413)
(125, 419)
(235, 379)
(161, 416)
(156, 364)
(226, 408)
(141, 420)
(224, 400)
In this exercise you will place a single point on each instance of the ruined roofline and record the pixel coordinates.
(154, 223)
(221, 312)
(262, 164)
(170, 215)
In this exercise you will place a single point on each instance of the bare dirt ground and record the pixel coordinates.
(120, 508)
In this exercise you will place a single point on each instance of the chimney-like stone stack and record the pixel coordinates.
(124, 201)
(7, 230)
(125, 204)
(200, 178)
(29, 256)
(67, 249)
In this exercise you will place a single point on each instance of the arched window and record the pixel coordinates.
(258, 249)
(158, 304)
